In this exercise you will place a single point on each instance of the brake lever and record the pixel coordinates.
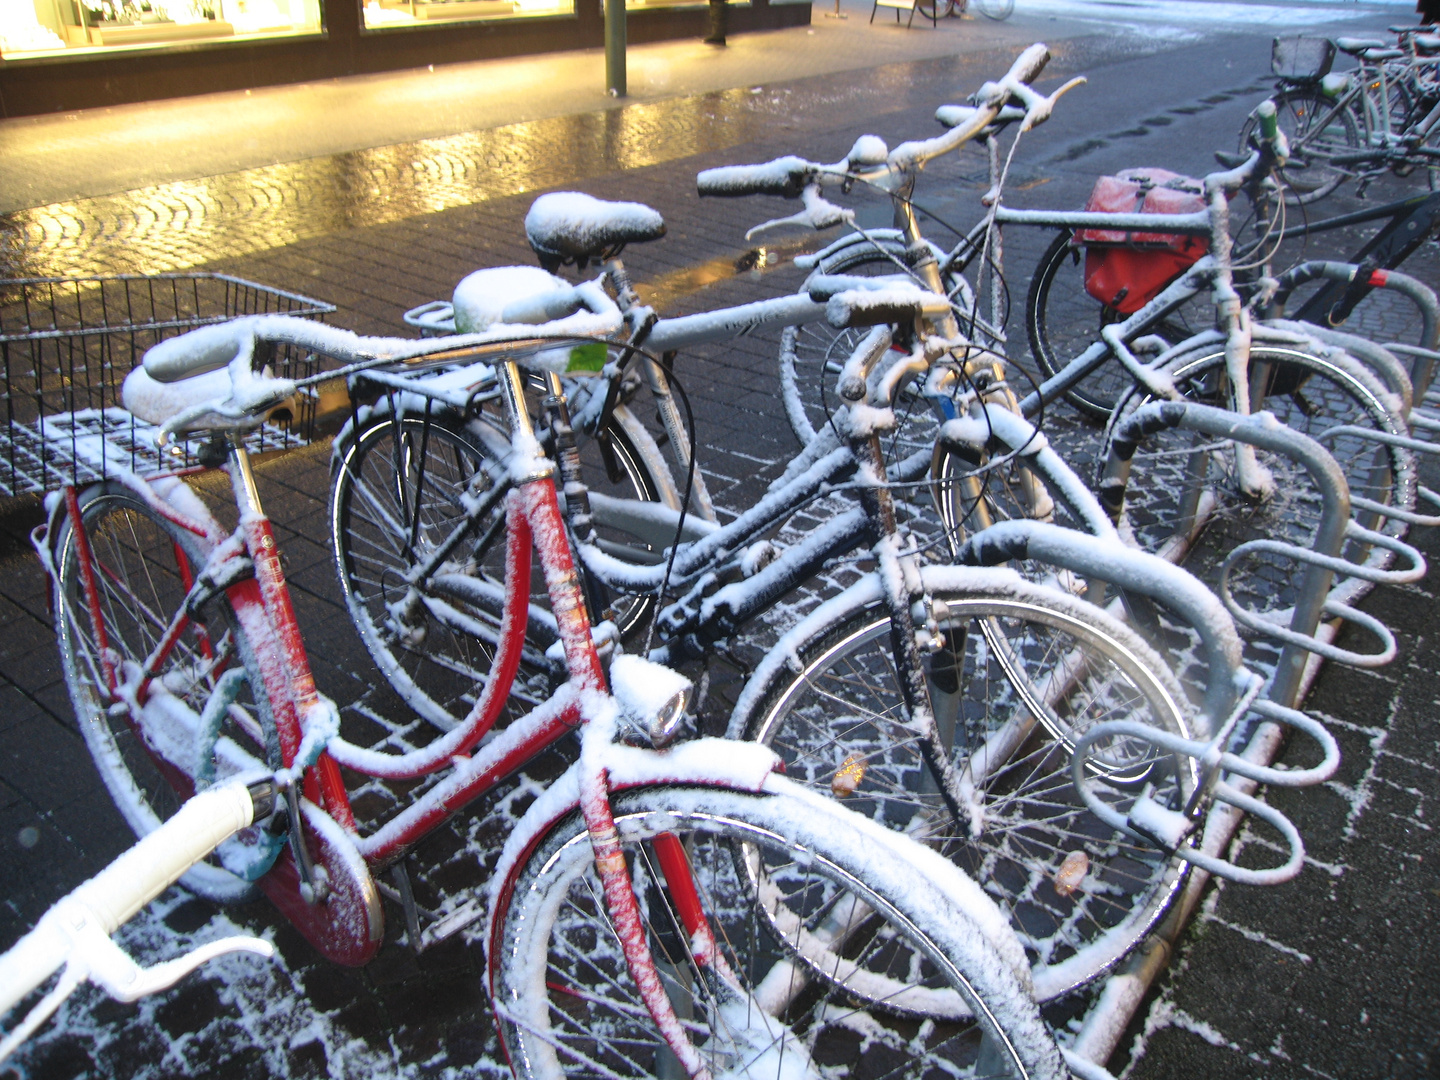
(1038, 108)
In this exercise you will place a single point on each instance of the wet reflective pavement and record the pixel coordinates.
(191, 222)
(1322, 978)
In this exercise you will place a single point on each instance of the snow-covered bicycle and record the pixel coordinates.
(652, 911)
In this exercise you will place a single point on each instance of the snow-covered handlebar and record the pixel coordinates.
(75, 933)
(871, 162)
(856, 301)
(536, 329)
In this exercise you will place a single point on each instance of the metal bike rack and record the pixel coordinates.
(1306, 638)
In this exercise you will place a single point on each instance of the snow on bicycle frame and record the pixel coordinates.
(532, 511)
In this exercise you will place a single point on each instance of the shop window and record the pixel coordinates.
(651, 5)
(47, 27)
(383, 13)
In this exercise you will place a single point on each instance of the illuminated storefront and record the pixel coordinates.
(47, 28)
(60, 55)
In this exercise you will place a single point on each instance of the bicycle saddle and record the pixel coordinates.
(1429, 44)
(567, 226)
(1355, 46)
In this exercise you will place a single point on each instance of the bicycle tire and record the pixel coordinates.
(1315, 393)
(999, 10)
(565, 1000)
(438, 659)
(1306, 175)
(1062, 320)
(137, 567)
(836, 723)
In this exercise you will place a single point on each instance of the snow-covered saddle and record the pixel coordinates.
(1368, 49)
(567, 226)
(1355, 46)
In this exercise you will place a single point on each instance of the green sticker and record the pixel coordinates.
(589, 357)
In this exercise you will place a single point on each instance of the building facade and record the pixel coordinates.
(60, 55)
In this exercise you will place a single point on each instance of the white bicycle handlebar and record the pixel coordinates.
(75, 933)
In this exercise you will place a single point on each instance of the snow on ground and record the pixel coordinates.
(1143, 15)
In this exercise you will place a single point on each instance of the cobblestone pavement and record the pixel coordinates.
(185, 223)
(1324, 977)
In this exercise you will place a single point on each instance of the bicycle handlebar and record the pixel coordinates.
(790, 176)
(76, 931)
(785, 176)
(589, 315)
(857, 301)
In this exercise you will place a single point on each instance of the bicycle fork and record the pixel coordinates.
(535, 491)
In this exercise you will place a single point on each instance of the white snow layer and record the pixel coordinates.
(585, 222)
(480, 298)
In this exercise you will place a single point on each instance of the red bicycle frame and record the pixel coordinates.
(342, 920)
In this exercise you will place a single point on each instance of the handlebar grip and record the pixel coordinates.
(856, 307)
(1029, 64)
(542, 308)
(162, 858)
(1269, 120)
(786, 177)
(194, 353)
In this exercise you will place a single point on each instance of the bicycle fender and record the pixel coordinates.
(348, 926)
(702, 762)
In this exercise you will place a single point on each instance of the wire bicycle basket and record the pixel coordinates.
(1301, 58)
(66, 345)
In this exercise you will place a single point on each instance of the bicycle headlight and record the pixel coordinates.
(652, 696)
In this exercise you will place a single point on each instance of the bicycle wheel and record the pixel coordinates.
(1316, 130)
(908, 972)
(1062, 320)
(1022, 672)
(974, 489)
(402, 486)
(1183, 482)
(995, 9)
(141, 564)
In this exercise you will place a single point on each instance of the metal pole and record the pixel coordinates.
(615, 47)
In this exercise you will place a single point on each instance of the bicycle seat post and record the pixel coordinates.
(641, 320)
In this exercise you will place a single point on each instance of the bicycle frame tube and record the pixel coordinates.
(536, 494)
(1190, 284)
(286, 668)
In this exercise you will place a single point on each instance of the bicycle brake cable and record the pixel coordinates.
(684, 510)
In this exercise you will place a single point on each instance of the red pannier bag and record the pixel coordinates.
(1126, 270)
